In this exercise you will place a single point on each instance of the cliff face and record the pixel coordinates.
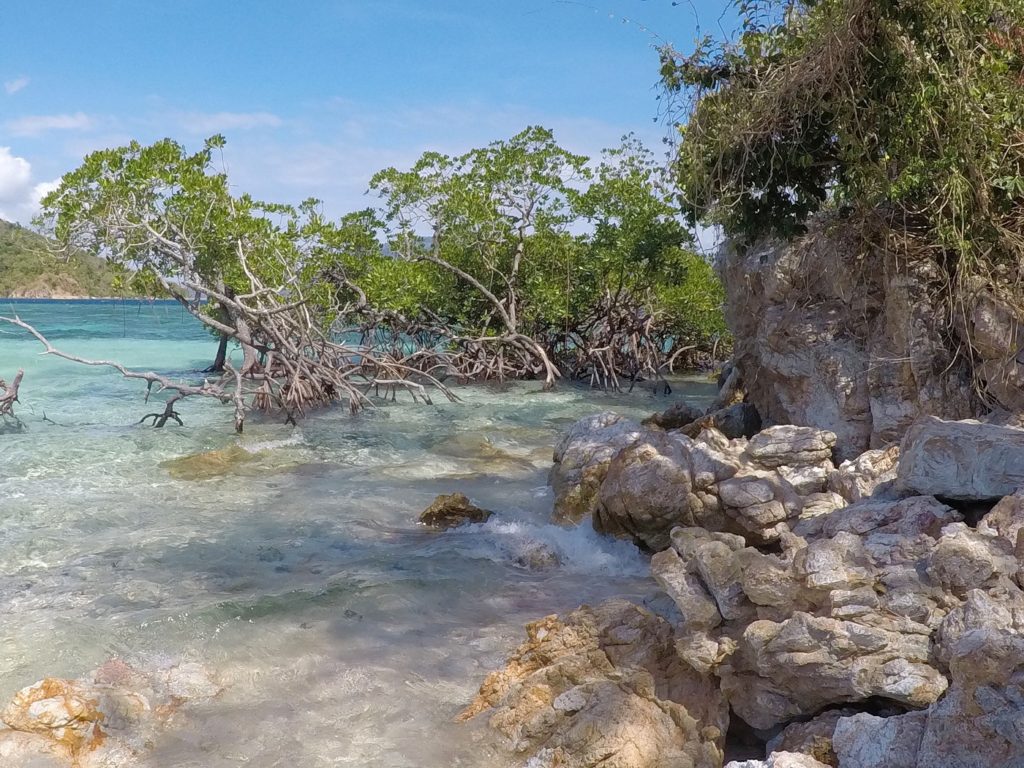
(861, 343)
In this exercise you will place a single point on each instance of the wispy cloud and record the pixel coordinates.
(34, 125)
(15, 85)
(212, 122)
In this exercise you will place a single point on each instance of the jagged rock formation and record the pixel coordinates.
(831, 335)
(848, 610)
(604, 686)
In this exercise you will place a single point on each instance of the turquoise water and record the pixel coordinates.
(343, 634)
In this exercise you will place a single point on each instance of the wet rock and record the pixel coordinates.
(604, 686)
(451, 510)
(581, 461)
(209, 464)
(650, 486)
(676, 415)
(106, 720)
(965, 460)
(859, 478)
(734, 421)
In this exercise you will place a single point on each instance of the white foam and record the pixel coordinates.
(580, 549)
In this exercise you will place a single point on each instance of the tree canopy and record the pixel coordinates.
(907, 115)
(518, 259)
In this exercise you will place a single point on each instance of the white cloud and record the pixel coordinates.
(15, 85)
(33, 125)
(19, 195)
(213, 122)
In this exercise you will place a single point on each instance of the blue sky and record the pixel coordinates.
(315, 96)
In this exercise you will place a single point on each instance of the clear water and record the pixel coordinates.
(343, 633)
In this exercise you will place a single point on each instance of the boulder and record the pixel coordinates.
(966, 460)
(789, 446)
(581, 461)
(789, 669)
(604, 686)
(859, 478)
(977, 723)
(449, 511)
(660, 481)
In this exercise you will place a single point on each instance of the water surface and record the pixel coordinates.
(343, 633)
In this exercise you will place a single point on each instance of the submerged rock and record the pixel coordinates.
(106, 720)
(209, 464)
(604, 687)
(449, 511)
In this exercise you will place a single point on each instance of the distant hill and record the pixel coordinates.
(28, 270)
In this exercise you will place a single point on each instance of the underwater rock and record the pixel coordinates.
(105, 720)
(449, 511)
(604, 687)
(208, 464)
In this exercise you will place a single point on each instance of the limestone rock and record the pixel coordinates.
(811, 737)
(797, 667)
(449, 511)
(866, 741)
(977, 723)
(791, 446)
(660, 481)
(604, 686)
(831, 336)
(965, 460)
(859, 478)
(581, 461)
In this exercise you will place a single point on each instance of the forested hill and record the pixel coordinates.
(28, 270)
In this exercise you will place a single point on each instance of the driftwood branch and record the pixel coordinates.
(9, 394)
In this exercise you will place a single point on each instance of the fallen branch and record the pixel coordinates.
(9, 394)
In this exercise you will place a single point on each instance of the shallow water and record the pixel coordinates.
(342, 632)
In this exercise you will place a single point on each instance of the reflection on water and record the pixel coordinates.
(288, 560)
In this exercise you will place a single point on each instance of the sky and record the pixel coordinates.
(315, 96)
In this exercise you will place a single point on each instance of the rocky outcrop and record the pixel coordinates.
(581, 461)
(855, 341)
(751, 488)
(604, 687)
(451, 510)
(964, 460)
(106, 720)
